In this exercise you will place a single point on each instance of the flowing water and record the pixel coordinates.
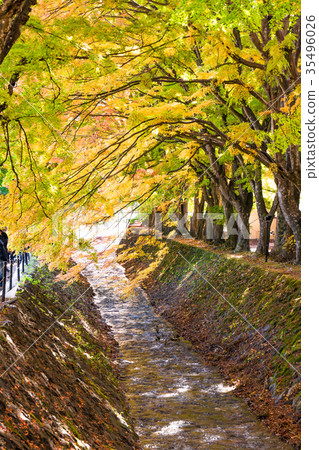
(176, 400)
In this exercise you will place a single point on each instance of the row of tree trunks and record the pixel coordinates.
(204, 202)
(256, 184)
(219, 194)
(242, 201)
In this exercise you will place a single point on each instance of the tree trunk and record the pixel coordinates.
(151, 218)
(13, 15)
(232, 239)
(283, 235)
(288, 196)
(183, 210)
(182, 216)
(256, 184)
(262, 213)
(214, 225)
(242, 202)
(194, 218)
(243, 215)
(197, 227)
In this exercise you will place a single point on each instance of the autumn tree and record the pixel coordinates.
(125, 90)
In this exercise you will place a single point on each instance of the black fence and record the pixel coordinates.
(11, 272)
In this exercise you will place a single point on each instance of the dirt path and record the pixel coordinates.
(283, 268)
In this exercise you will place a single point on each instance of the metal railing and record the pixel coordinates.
(11, 272)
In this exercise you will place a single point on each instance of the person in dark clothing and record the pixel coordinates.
(4, 238)
(3, 252)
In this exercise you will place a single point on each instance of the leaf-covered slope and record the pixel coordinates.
(59, 389)
(241, 317)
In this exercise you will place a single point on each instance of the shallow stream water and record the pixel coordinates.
(176, 400)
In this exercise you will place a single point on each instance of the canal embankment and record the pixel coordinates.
(59, 381)
(241, 318)
(177, 400)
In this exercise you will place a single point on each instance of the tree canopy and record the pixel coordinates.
(155, 103)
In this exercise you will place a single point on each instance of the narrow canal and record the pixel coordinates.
(177, 401)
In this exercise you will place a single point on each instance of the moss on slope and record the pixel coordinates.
(59, 387)
(241, 317)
